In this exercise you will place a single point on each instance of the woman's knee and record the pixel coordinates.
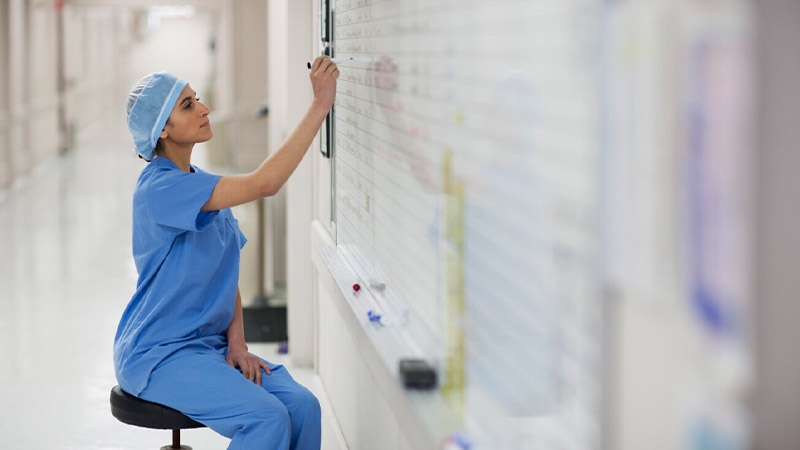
(268, 426)
(304, 402)
(272, 411)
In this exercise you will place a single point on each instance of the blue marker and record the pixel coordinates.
(373, 316)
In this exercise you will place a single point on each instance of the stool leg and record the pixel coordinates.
(176, 442)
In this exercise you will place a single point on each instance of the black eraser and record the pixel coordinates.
(417, 374)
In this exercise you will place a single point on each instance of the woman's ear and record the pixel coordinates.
(164, 133)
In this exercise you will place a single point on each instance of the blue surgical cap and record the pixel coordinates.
(149, 104)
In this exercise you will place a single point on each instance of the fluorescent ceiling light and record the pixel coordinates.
(156, 13)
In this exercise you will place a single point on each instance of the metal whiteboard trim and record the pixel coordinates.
(332, 150)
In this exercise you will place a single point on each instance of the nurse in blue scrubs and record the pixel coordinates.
(180, 341)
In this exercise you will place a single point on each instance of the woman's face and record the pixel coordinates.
(188, 122)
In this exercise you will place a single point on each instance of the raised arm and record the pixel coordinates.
(271, 175)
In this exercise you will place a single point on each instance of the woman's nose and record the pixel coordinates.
(206, 110)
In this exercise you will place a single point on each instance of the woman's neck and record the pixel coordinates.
(181, 157)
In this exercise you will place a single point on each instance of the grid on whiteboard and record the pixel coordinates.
(466, 159)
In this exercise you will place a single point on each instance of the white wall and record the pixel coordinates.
(178, 45)
(29, 103)
(94, 57)
(43, 98)
(5, 153)
(291, 38)
(372, 409)
(95, 63)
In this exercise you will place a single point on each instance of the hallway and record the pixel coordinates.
(66, 273)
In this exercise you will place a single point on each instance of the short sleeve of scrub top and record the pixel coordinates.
(188, 266)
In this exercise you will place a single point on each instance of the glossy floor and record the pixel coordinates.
(65, 276)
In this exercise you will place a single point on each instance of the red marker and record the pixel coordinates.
(356, 287)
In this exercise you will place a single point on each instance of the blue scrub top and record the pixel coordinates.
(188, 264)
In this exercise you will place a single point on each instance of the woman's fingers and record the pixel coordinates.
(247, 370)
(256, 373)
(249, 365)
(264, 366)
(323, 80)
(323, 64)
(256, 370)
(252, 371)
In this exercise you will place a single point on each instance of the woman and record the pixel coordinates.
(180, 341)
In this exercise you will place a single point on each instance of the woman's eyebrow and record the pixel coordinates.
(188, 98)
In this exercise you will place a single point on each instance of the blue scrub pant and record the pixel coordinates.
(278, 415)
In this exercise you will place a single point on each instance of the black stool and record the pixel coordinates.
(141, 413)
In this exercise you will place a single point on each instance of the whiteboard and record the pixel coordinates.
(465, 159)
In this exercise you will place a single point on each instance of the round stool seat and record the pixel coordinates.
(135, 411)
(141, 413)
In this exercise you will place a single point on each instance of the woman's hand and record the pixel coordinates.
(250, 365)
(272, 174)
(323, 81)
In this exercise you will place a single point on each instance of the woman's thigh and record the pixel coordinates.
(206, 388)
(281, 384)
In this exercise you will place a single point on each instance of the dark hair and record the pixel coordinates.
(159, 147)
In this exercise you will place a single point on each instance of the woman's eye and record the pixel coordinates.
(190, 104)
